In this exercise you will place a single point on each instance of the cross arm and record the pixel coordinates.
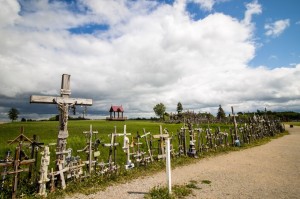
(54, 100)
(161, 136)
(6, 164)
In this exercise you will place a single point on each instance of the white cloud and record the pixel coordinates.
(205, 4)
(155, 55)
(252, 9)
(275, 29)
(8, 12)
(274, 57)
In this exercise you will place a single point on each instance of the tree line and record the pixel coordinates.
(285, 116)
(160, 111)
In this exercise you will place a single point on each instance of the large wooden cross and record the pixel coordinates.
(64, 102)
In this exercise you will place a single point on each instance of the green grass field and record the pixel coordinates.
(47, 132)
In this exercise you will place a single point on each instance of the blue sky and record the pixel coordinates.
(203, 53)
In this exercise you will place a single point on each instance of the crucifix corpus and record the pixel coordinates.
(64, 103)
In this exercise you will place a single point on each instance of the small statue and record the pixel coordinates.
(45, 160)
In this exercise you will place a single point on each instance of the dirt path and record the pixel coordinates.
(268, 171)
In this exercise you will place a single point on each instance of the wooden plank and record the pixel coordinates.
(161, 136)
(65, 82)
(25, 162)
(6, 164)
(54, 100)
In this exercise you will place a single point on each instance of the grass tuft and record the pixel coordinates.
(206, 182)
(192, 185)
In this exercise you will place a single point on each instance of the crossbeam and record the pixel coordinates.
(39, 99)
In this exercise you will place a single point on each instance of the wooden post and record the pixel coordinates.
(35, 145)
(199, 139)
(4, 173)
(183, 137)
(168, 165)
(235, 124)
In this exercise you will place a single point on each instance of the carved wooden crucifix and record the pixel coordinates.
(64, 102)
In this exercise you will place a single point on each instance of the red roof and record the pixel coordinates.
(116, 109)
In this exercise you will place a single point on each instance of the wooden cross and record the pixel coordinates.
(147, 143)
(64, 102)
(90, 151)
(17, 162)
(112, 148)
(139, 154)
(35, 145)
(61, 169)
(126, 149)
(199, 130)
(235, 124)
(3, 163)
(182, 137)
(161, 138)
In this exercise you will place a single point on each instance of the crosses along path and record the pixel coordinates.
(268, 171)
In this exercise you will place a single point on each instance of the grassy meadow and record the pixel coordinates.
(47, 132)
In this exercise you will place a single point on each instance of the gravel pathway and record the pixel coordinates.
(268, 171)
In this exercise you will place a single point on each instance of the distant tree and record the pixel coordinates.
(179, 108)
(159, 109)
(23, 119)
(209, 116)
(54, 118)
(13, 114)
(166, 116)
(221, 114)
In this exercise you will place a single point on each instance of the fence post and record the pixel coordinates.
(168, 165)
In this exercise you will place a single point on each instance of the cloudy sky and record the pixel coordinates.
(202, 53)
